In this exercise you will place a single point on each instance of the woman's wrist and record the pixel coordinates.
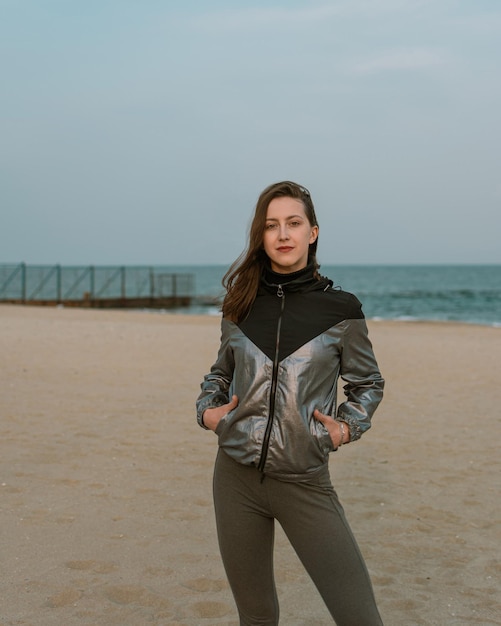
(341, 433)
(344, 433)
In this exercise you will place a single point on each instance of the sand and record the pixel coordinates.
(105, 479)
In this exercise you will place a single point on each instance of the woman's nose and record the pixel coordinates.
(283, 234)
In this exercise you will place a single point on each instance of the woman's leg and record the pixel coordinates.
(314, 521)
(246, 533)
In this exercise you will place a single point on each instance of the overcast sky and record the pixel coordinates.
(143, 131)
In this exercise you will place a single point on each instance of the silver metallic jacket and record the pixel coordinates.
(325, 337)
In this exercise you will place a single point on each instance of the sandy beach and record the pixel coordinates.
(105, 478)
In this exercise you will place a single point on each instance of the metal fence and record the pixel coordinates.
(94, 285)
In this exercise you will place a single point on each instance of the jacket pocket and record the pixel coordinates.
(322, 438)
(222, 424)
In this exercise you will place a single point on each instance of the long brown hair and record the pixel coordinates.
(241, 281)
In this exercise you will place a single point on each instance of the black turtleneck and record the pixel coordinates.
(294, 279)
(310, 307)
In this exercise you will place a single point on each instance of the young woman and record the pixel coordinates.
(270, 397)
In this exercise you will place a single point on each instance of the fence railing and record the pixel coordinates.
(95, 286)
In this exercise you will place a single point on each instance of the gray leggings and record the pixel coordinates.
(313, 520)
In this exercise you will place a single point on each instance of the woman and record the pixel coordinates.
(270, 397)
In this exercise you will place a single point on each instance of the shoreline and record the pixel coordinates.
(105, 477)
(185, 312)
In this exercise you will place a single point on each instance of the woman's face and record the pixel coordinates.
(287, 235)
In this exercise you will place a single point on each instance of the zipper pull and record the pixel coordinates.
(280, 291)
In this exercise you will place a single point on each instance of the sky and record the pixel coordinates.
(142, 132)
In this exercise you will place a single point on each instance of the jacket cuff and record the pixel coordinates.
(210, 402)
(353, 427)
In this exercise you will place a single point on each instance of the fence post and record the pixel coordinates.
(152, 283)
(23, 282)
(91, 281)
(122, 281)
(58, 283)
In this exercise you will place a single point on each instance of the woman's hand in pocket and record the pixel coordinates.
(212, 417)
(338, 431)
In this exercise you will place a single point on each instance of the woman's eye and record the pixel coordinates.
(270, 226)
(295, 223)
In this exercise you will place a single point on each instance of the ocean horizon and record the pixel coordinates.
(447, 293)
(461, 293)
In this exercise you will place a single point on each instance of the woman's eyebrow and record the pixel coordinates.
(275, 219)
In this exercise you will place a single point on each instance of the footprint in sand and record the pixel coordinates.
(210, 609)
(132, 594)
(156, 572)
(97, 567)
(202, 502)
(207, 609)
(205, 584)
(65, 597)
(182, 514)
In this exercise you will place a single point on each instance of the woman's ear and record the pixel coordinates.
(314, 234)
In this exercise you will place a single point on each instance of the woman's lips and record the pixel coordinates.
(285, 248)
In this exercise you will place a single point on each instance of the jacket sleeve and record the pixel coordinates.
(364, 383)
(216, 384)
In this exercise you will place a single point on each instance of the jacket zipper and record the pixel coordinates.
(273, 393)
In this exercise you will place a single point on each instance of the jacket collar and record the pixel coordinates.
(305, 279)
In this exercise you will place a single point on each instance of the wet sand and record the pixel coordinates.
(105, 479)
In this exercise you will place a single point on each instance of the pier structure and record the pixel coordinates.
(95, 286)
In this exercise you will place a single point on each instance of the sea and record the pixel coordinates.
(452, 293)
